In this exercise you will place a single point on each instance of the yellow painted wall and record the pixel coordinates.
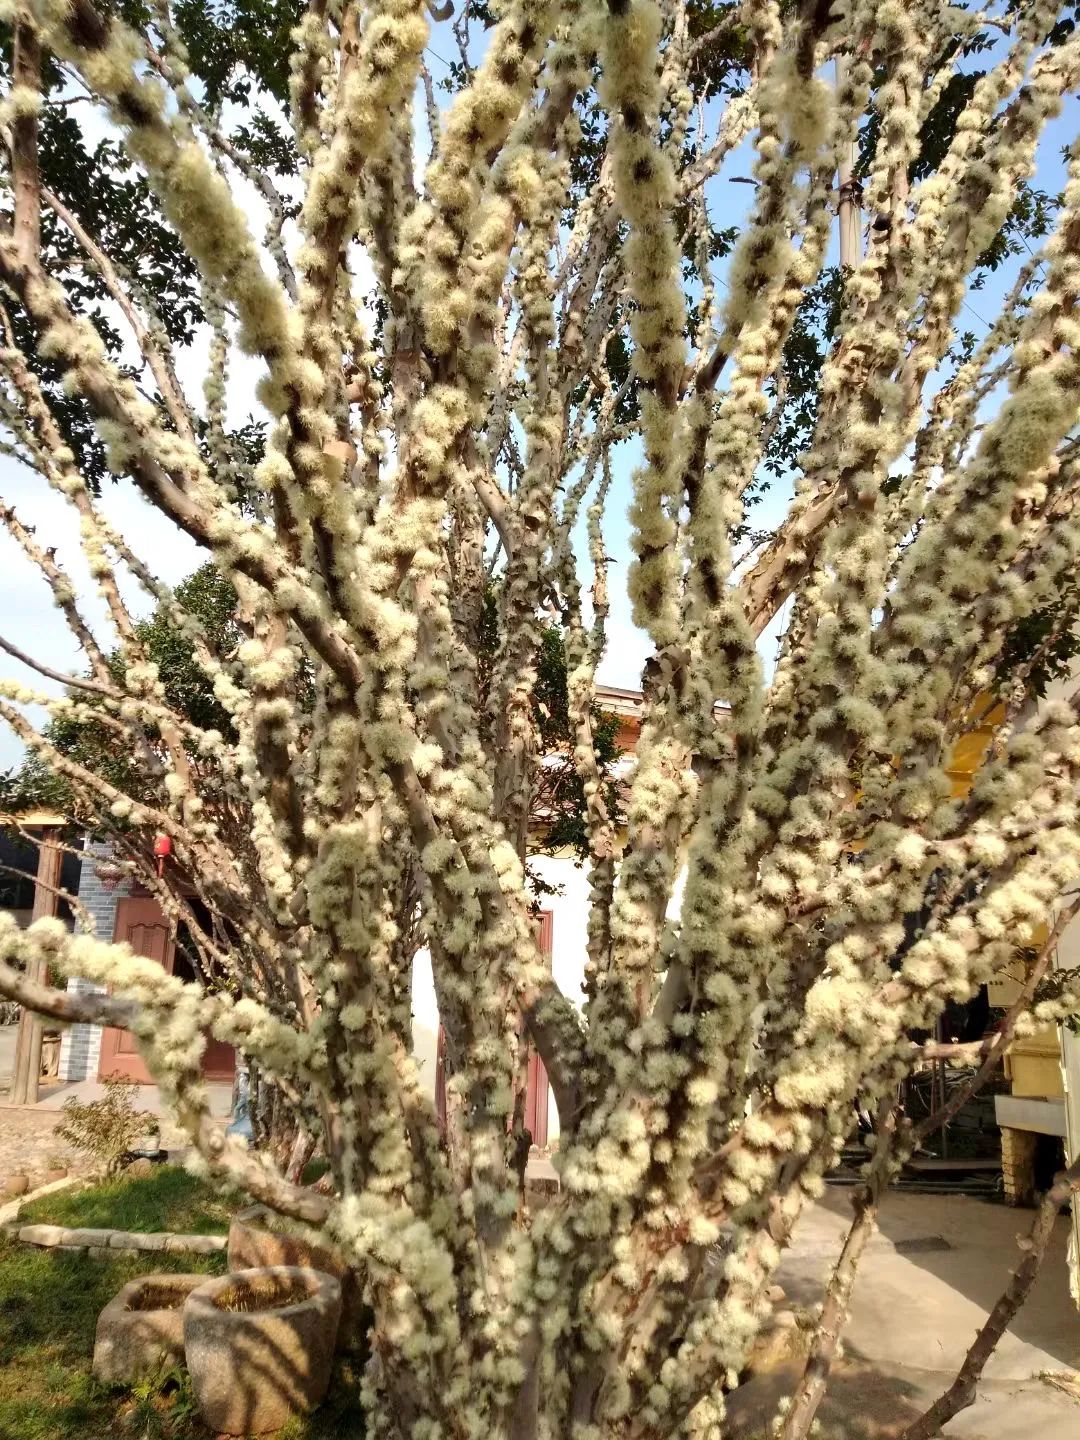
(970, 750)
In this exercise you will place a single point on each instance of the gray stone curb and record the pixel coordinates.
(102, 1243)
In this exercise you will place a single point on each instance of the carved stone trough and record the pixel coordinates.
(256, 1240)
(257, 1237)
(259, 1345)
(142, 1327)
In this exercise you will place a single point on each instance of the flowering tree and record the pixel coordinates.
(452, 355)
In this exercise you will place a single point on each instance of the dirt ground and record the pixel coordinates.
(29, 1147)
(27, 1143)
(27, 1140)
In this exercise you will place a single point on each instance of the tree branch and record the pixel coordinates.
(160, 368)
(65, 1005)
(810, 1391)
(26, 74)
(61, 587)
(73, 682)
(243, 1168)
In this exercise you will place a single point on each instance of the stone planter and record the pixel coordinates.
(142, 1327)
(255, 1240)
(55, 1173)
(259, 1345)
(16, 1185)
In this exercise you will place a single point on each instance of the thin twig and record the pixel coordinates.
(77, 907)
(74, 681)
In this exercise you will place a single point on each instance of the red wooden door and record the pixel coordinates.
(537, 1085)
(219, 1060)
(141, 921)
(536, 1100)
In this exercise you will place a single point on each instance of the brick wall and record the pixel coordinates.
(80, 1048)
(1018, 1165)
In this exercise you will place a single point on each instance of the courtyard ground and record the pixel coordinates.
(27, 1141)
(925, 1286)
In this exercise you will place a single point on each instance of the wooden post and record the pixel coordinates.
(24, 1089)
(848, 208)
(1066, 956)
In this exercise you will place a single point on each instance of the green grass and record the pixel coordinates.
(314, 1170)
(170, 1199)
(49, 1304)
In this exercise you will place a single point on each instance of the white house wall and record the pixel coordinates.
(569, 931)
(569, 927)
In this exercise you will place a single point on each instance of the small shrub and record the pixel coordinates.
(107, 1128)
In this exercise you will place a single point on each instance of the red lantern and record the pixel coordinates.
(162, 849)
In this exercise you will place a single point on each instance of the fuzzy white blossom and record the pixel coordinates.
(794, 873)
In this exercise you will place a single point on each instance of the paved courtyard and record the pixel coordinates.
(925, 1286)
(28, 1145)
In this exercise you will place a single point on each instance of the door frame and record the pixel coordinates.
(115, 1058)
(538, 1087)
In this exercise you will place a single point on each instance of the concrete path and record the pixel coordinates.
(878, 1402)
(930, 1276)
(147, 1097)
(925, 1286)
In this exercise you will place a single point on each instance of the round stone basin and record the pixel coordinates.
(142, 1328)
(257, 1240)
(260, 1344)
